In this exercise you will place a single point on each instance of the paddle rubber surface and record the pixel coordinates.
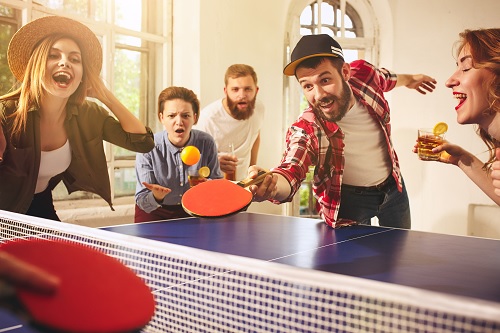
(216, 198)
(97, 293)
(219, 197)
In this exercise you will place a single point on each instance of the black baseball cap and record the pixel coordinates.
(313, 46)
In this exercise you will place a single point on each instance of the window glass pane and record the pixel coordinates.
(128, 40)
(6, 11)
(326, 30)
(306, 16)
(78, 7)
(127, 86)
(350, 34)
(7, 80)
(95, 9)
(326, 14)
(348, 22)
(307, 205)
(125, 182)
(305, 31)
(128, 14)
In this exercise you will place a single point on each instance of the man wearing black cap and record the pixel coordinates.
(345, 135)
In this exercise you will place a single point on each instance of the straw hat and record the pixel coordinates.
(25, 40)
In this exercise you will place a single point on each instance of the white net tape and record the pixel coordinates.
(201, 291)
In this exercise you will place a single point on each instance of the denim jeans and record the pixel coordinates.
(391, 207)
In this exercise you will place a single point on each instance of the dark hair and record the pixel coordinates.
(185, 94)
(314, 62)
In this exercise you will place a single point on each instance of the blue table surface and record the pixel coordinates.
(457, 265)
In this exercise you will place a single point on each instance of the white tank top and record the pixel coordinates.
(52, 163)
(367, 160)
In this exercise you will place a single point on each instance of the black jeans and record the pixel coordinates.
(388, 204)
(42, 205)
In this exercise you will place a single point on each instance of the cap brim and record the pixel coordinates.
(289, 69)
(24, 41)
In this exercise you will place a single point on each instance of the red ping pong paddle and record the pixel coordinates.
(97, 293)
(220, 197)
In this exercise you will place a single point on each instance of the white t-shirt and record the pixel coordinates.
(52, 163)
(365, 148)
(226, 130)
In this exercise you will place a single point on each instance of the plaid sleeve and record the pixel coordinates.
(301, 152)
(387, 79)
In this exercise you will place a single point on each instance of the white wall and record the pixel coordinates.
(424, 34)
(232, 32)
(416, 37)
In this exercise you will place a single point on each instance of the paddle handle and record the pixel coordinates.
(251, 181)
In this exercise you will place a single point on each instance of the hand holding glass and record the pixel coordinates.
(427, 140)
(194, 178)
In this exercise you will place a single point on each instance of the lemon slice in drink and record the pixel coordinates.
(204, 171)
(440, 128)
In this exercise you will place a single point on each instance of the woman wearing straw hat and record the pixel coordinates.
(51, 133)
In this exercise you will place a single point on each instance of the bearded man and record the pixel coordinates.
(345, 135)
(235, 120)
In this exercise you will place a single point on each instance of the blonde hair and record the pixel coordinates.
(484, 46)
(31, 90)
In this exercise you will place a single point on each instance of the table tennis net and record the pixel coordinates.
(202, 291)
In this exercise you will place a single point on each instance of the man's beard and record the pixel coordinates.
(243, 113)
(342, 102)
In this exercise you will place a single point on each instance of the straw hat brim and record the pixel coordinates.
(25, 40)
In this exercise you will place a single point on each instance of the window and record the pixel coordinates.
(9, 18)
(133, 36)
(342, 21)
(335, 18)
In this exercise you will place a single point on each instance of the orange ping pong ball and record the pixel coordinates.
(190, 155)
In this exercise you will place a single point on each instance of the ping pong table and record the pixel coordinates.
(429, 269)
(462, 266)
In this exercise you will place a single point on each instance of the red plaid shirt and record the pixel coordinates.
(312, 141)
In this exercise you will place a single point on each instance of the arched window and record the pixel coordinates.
(336, 18)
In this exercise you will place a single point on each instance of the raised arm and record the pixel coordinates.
(127, 120)
(473, 168)
(419, 82)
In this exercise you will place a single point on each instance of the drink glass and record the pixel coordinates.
(228, 149)
(194, 178)
(427, 140)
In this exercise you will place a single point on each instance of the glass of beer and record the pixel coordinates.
(194, 178)
(427, 140)
(228, 149)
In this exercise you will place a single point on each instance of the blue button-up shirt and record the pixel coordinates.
(163, 166)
